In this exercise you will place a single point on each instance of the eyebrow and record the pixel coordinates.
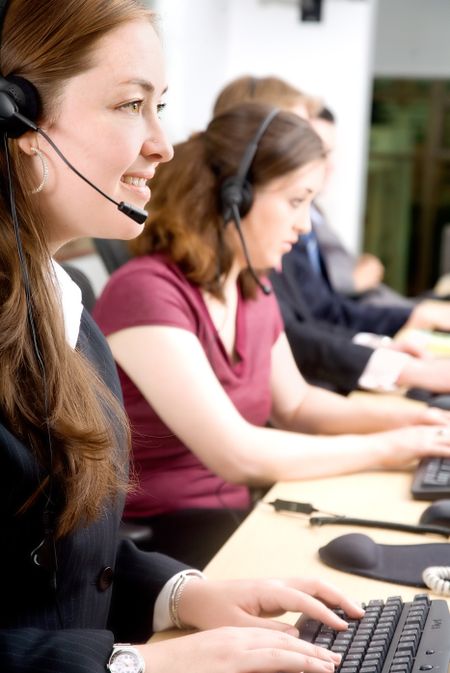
(144, 84)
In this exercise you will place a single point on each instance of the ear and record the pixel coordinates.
(27, 141)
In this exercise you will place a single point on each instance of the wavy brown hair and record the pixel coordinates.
(186, 221)
(48, 43)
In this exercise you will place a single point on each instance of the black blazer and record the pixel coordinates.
(324, 353)
(320, 324)
(106, 588)
(326, 304)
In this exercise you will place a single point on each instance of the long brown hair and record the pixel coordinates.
(186, 221)
(49, 42)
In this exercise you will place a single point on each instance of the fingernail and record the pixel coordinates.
(293, 632)
(358, 606)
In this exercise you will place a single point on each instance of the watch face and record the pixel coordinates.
(125, 661)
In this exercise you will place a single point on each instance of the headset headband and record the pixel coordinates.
(251, 148)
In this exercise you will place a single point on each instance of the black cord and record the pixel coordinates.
(373, 523)
(254, 275)
(48, 515)
(72, 167)
(342, 520)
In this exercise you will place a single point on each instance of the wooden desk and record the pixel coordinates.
(280, 544)
(275, 544)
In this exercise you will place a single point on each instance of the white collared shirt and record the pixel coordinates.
(69, 295)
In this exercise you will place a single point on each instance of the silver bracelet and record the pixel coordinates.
(176, 593)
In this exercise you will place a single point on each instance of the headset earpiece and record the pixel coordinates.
(235, 193)
(17, 95)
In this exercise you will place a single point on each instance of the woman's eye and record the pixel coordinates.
(133, 106)
(295, 203)
(160, 109)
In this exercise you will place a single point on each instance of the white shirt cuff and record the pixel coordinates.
(382, 370)
(371, 340)
(161, 612)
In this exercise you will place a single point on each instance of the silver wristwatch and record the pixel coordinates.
(125, 659)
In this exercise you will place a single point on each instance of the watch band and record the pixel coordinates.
(125, 659)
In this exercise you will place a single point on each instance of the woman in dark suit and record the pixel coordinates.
(69, 588)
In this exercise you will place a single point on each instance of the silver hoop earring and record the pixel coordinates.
(44, 167)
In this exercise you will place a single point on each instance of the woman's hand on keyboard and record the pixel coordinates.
(237, 650)
(430, 314)
(430, 374)
(408, 444)
(421, 415)
(432, 416)
(254, 603)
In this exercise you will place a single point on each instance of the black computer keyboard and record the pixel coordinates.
(431, 479)
(393, 636)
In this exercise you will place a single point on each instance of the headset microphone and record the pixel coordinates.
(139, 215)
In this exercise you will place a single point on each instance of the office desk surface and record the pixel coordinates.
(280, 544)
(276, 544)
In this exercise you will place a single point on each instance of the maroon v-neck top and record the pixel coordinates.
(151, 290)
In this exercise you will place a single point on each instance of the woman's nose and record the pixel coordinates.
(157, 145)
(303, 223)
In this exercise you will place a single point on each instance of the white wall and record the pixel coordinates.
(209, 42)
(195, 40)
(412, 38)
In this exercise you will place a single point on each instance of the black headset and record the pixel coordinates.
(236, 191)
(18, 96)
(236, 194)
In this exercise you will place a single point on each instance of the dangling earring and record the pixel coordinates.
(44, 167)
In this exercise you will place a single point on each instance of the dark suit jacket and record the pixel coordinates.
(320, 324)
(326, 304)
(106, 588)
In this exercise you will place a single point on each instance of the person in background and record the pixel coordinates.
(345, 345)
(203, 358)
(70, 586)
(270, 90)
(358, 277)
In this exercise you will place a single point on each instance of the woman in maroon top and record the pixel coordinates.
(204, 362)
